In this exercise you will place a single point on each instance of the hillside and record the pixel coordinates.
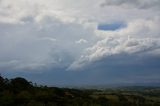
(20, 92)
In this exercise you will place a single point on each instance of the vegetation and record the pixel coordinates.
(20, 92)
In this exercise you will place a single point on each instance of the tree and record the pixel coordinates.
(20, 84)
(2, 83)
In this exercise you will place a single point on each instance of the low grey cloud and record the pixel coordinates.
(35, 47)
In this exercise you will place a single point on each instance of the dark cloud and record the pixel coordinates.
(119, 69)
(125, 68)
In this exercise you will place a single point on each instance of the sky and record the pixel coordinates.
(85, 42)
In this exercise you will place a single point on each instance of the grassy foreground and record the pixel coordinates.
(20, 92)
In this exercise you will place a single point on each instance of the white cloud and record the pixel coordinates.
(139, 37)
(142, 4)
(27, 29)
(115, 46)
(81, 41)
(49, 39)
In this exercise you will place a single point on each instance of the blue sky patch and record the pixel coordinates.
(111, 26)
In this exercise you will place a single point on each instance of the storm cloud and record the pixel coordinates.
(96, 42)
